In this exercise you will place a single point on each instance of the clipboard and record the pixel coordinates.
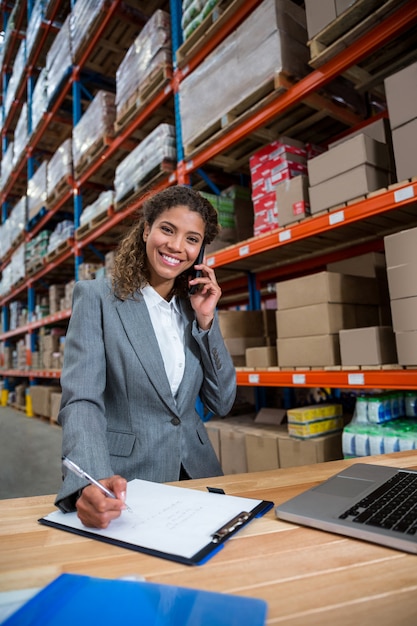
(90, 600)
(176, 523)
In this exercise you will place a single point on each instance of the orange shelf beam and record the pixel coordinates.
(403, 195)
(352, 379)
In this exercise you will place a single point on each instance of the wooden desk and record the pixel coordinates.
(308, 577)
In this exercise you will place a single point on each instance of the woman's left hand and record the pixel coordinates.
(204, 300)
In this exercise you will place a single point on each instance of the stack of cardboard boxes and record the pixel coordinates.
(401, 94)
(312, 309)
(401, 256)
(247, 329)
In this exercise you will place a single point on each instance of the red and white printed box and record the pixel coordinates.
(265, 214)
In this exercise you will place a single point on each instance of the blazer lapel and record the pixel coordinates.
(138, 327)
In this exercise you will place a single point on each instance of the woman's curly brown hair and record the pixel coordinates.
(131, 271)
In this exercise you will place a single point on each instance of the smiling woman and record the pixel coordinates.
(149, 350)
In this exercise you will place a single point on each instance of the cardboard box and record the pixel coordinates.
(293, 200)
(265, 356)
(295, 452)
(348, 155)
(402, 281)
(325, 318)
(401, 248)
(41, 398)
(347, 186)
(316, 351)
(379, 131)
(241, 323)
(262, 451)
(270, 415)
(326, 287)
(404, 314)
(407, 348)
(404, 140)
(368, 346)
(55, 405)
(371, 264)
(319, 13)
(401, 95)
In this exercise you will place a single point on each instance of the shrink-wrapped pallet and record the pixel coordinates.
(83, 15)
(95, 125)
(35, 23)
(150, 51)
(157, 151)
(36, 249)
(21, 135)
(17, 220)
(37, 190)
(193, 13)
(39, 99)
(63, 231)
(16, 77)
(17, 264)
(7, 164)
(58, 60)
(99, 206)
(59, 169)
(271, 40)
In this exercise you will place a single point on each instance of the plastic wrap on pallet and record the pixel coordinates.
(7, 164)
(36, 249)
(59, 167)
(83, 14)
(17, 265)
(103, 202)
(21, 136)
(150, 50)
(58, 59)
(271, 40)
(37, 190)
(34, 25)
(16, 77)
(17, 219)
(157, 148)
(96, 123)
(62, 232)
(193, 14)
(39, 99)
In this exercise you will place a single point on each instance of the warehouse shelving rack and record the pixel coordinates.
(256, 262)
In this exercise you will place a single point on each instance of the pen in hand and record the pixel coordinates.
(80, 472)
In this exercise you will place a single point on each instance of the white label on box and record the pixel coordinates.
(299, 379)
(337, 217)
(284, 235)
(244, 250)
(254, 379)
(356, 379)
(404, 194)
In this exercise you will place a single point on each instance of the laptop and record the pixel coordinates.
(375, 503)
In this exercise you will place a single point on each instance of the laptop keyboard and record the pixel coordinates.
(393, 505)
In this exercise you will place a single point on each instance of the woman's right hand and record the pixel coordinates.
(95, 509)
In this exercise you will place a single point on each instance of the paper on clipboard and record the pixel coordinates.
(175, 522)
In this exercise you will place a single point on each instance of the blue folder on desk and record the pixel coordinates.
(83, 600)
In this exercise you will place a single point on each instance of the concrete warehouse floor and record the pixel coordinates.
(30, 455)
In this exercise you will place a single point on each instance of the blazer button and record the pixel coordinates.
(175, 421)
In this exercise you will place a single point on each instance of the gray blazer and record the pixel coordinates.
(117, 412)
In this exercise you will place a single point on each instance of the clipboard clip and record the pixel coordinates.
(230, 527)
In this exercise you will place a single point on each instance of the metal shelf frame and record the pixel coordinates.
(402, 196)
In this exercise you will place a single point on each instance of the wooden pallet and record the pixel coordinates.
(35, 267)
(205, 32)
(355, 22)
(311, 120)
(111, 47)
(143, 94)
(63, 247)
(91, 155)
(145, 185)
(56, 194)
(92, 224)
